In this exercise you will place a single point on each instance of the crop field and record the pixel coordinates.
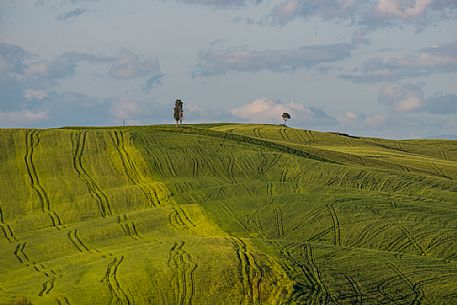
(225, 214)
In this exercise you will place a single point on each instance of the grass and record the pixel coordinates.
(225, 214)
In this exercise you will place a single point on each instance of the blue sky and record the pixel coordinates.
(384, 68)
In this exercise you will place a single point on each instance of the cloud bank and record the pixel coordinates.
(219, 61)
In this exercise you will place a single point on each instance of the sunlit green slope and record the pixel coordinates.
(225, 214)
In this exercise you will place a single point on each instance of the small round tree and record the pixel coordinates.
(285, 117)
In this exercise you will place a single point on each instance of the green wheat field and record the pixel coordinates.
(225, 214)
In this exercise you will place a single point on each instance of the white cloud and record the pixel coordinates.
(20, 118)
(402, 9)
(428, 61)
(125, 109)
(35, 95)
(217, 61)
(264, 110)
(405, 97)
(37, 69)
(361, 121)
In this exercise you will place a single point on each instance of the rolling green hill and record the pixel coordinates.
(225, 214)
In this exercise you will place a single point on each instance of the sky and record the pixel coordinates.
(383, 68)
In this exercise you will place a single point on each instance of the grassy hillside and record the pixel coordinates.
(225, 214)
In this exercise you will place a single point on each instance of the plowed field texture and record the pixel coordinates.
(225, 214)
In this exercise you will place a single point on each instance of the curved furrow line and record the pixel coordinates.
(62, 300)
(442, 153)
(132, 172)
(269, 188)
(249, 272)
(300, 136)
(51, 275)
(336, 225)
(49, 284)
(6, 229)
(169, 165)
(381, 290)
(117, 294)
(408, 242)
(79, 144)
(279, 222)
(183, 268)
(361, 184)
(209, 163)
(448, 241)
(308, 287)
(326, 296)
(273, 162)
(179, 219)
(358, 295)
(195, 167)
(439, 171)
(369, 231)
(128, 226)
(283, 134)
(257, 133)
(310, 134)
(419, 293)
(32, 140)
(231, 214)
(408, 235)
(283, 175)
(74, 238)
(300, 222)
(405, 169)
(261, 167)
(231, 166)
(20, 254)
(146, 143)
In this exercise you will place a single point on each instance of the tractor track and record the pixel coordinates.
(283, 175)
(300, 136)
(128, 226)
(279, 222)
(51, 275)
(439, 172)
(132, 172)
(257, 133)
(249, 272)
(183, 280)
(368, 232)
(418, 292)
(179, 219)
(79, 143)
(208, 162)
(117, 295)
(336, 225)
(310, 135)
(269, 189)
(284, 135)
(358, 295)
(62, 300)
(442, 153)
(32, 141)
(6, 229)
(195, 167)
(310, 289)
(230, 213)
(231, 166)
(77, 242)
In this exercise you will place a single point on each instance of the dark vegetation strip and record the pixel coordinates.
(249, 140)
